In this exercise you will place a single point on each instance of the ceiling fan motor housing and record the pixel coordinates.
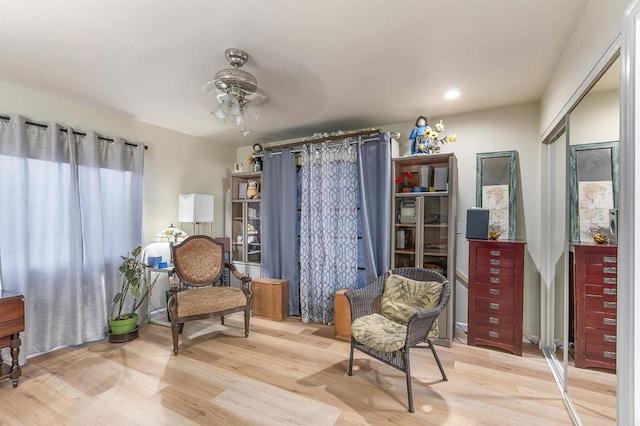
(235, 78)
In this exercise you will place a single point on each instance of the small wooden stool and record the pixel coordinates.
(342, 312)
(270, 298)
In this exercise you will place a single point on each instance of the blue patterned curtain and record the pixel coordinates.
(328, 227)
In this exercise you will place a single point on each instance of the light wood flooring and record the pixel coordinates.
(287, 373)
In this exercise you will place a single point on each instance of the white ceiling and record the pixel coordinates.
(327, 65)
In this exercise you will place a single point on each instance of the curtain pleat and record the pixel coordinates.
(69, 207)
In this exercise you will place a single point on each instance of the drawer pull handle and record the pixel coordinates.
(494, 320)
(496, 335)
(609, 305)
(609, 259)
(495, 306)
(609, 270)
(494, 280)
(610, 291)
(494, 292)
(495, 252)
(609, 280)
(609, 321)
(495, 262)
(609, 338)
(607, 354)
(495, 271)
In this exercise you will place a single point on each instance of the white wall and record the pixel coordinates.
(174, 163)
(507, 128)
(596, 118)
(599, 26)
(501, 129)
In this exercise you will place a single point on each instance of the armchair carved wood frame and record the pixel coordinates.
(362, 302)
(198, 294)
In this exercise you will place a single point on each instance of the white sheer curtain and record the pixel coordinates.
(69, 207)
(328, 228)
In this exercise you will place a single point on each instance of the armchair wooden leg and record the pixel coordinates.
(180, 327)
(247, 316)
(175, 331)
(435, 355)
(405, 355)
(350, 371)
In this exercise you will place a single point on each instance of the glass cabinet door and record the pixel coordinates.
(436, 234)
(237, 232)
(421, 232)
(254, 248)
(405, 232)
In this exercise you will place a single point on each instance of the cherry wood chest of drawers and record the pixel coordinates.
(11, 324)
(496, 271)
(595, 305)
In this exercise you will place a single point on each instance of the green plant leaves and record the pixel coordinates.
(130, 274)
(135, 291)
(134, 281)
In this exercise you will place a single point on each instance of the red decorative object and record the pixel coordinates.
(405, 181)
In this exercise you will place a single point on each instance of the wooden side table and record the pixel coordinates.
(342, 318)
(270, 298)
(11, 324)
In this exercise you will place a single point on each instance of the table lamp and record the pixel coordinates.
(196, 209)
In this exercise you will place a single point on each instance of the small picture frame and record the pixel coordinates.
(242, 190)
(237, 167)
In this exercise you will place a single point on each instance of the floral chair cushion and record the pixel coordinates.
(379, 333)
(403, 296)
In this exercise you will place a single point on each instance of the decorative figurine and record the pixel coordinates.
(255, 159)
(419, 142)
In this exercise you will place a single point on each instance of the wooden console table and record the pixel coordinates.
(11, 324)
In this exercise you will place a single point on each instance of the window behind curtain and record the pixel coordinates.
(70, 206)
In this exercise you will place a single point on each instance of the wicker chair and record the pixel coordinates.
(415, 332)
(198, 262)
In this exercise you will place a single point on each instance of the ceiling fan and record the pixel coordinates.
(237, 91)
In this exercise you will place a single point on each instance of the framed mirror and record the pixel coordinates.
(496, 190)
(593, 189)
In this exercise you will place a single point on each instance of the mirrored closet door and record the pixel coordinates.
(582, 159)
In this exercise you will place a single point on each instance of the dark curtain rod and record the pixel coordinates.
(324, 139)
(299, 150)
(62, 129)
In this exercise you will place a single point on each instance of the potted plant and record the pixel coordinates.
(133, 292)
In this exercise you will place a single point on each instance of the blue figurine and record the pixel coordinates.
(417, 138)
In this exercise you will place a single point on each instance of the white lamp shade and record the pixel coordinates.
(195, 208)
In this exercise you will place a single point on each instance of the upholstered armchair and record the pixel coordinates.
(410, 301)
(196, 290)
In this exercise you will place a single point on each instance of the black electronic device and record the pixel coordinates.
(477, 224)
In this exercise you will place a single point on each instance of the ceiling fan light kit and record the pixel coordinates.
(234, 89)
